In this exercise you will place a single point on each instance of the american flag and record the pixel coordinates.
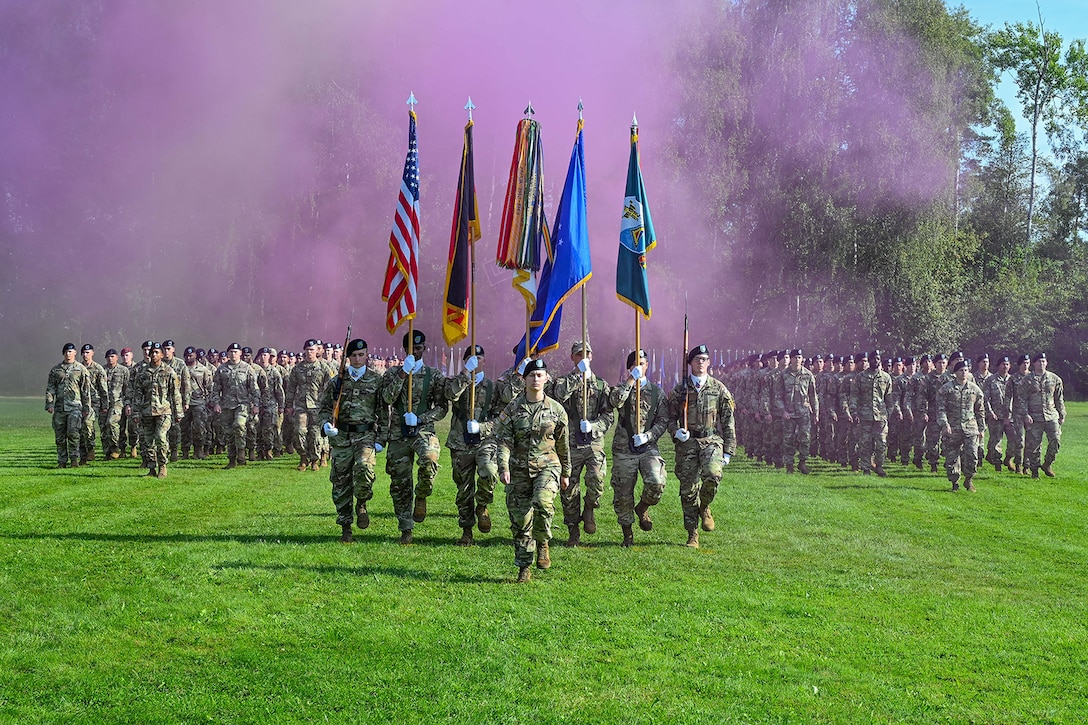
(402, 274)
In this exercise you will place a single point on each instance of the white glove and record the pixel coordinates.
(640, 439)
(726, 458)
(411, 419)
(472, 363)
(409, 364)
(480, 377)
(583, 366)
(473, 426)
(522, 364)
(418, 368)
(636, 372)
(330, 431)
(378, 447)
(584, 425)
(681, 434)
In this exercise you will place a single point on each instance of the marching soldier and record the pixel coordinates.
(349, 417)
(272, 400)
(68, 399)
(156, 394)
(1015, 453)
(411, 433)
(303, 398)
(795, 404)
(701, 420)
(895, 409)
(534, 466)
(182, 370)
(116, 382)
(235, 397)
(960, 418)
(99, 400)
(936, 379)
(129, 437)
(473, 451)
(919, 408)
(1040, 405)
(901, 392)
(634, 447)
(997, 401)
(872, 391)
(594, 415)
(194, 426)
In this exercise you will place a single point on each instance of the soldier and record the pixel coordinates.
(920, 408)
(116, 382)
(178, 366)
(817, 368)
(99, 400)
(584, 396)
(135, 370)
(960, 418)
(156, 394)
(634, 447)
(997, 401)
(411, 433)
(302, 400)
(272, 400)
(129, 437)
(848, 455)
(895, 410)
(901, 392)
(872, 390)
(936, 379)
(1015, 453)
(235, 397)
(348, 416)
(194, 424)
(796, 405)
(830, 407)
(701, 419)
(764, 414)
(1040, 405)
(68, 399)
(534, 466)
(473, 451)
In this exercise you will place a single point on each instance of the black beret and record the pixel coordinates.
(925, 358)
(819, 356)
(87, 347)
(940, 356)
(796, 352)
(147, 343)
(190, 350)
(1038, 356)
(631, 358)
(957, 355)
(1024, 358)
(355, 345)
(68, 346)
(697, 350)
(337, 346)
(155, 345)
(200, 352)
(908, 360)
(168, 343)
(263, 350)
(875, 355)
(418, 338)
(859, 356)
(469, 352)
(111, 351)
(311, 343)
(247, 350)
(983, 356)
(532, 365)
(960, 364)
(1003, 359)
(781, 355)
(233, 346)
(841, 359)
(898, 360)
(213, 351)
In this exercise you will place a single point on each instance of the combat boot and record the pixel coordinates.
(997, 466)
(706, 518)
(789, 467)
(933, 467)
(315, 466)
(628, 536)
(643, 513)
(241, 460)
(693, 538)
(199, 453)
(362, 518)
(524, 575)
(1034, 471)
(62, 464)
(161, 473)
(881, 472)
(303, 464)
(324, 460)
(419, 513)
(589, 521)
(251, 454)
(803, 468)
(406, 538)
(968, 485)
(955, 483)
(543, 556)
(466, 536)
(575, 535)
(483, 519)
(152, 472)
(1015, 467)
(230, 463)
(173, 456)
(114, 455)
(1048, 470)
(345, 534)
(90, 455)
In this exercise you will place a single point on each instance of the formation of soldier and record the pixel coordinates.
(542, 433)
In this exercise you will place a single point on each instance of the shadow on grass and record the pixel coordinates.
(305, 539)
(399, 572)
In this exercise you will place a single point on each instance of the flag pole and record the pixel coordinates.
(638, 318)
(529, 113)
(471, 300)
(585, 307)
(411, 320)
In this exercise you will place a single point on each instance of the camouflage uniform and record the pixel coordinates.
(902, 412)
(764, 384)
(430, 406)
(796, 404)
(848, 440)
(997, 400)
(586, 449)
(830, 419)
(194, 426)
(533, 448)
(1015, 452)
(700, 459)
(475, 467)
(99, 399)
(353, 447)
(960, 406)
(116, 382)
(872, 391)
(185, 388)
(272, 401)
(628, 462)
(235, 392)
(1041, 397)
(934, 439)
(920, 412)
(303, 396)
(68, 393)
(156, 394)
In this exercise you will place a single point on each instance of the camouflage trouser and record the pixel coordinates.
(307, 435)
(625, 470)
(1016, 443)
(530, 502)
(699, 466)
(906, 439)
(827, 437)
(997, 429)
(67, 427)
(960, 453)
(173, 439)
(894, 426)
(111, 430)
(252, 426)
(934, 441)
(87, 434)
(815, 433)
(796, 438)
(920, 430)
(1034, 442)
(130, 430)
(193, 426)
(592, 459)
(153, 432)
(872, 443)
(753, 444)
(398, 464)
(266, 430)
(772, 440)
(352, 473)
(234, 424)
(842, 440)
(287, 434)
(475, 474)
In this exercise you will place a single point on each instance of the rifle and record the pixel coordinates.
(683, 354)
(340, 375)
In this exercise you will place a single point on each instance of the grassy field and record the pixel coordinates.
(224, 596)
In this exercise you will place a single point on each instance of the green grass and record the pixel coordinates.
(224, 596)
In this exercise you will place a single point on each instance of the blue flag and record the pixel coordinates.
(568, 266)
(636, 238)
